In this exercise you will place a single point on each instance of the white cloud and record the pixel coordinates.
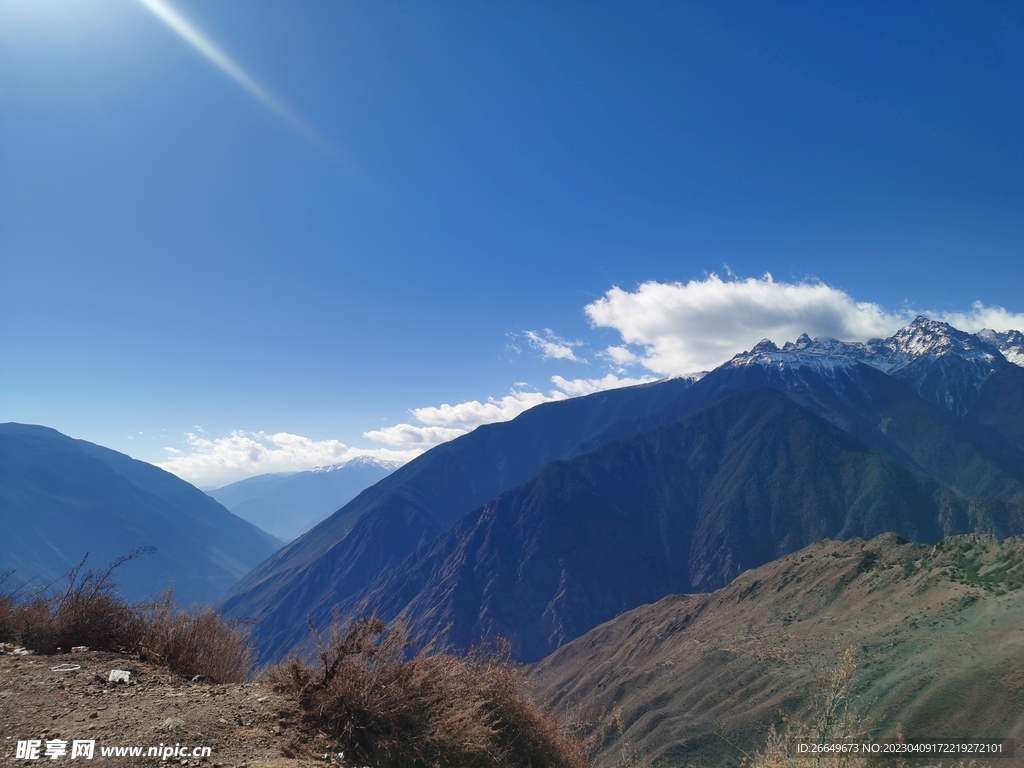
(407, 434)
(446, 422)
(981, 316)
(552, 346)
(695, 326)
(577, 387)
(219, 461)
(473, 413)
(621, 355)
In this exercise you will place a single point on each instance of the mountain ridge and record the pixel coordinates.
(389, 520)
(659, 513)
(61, 498)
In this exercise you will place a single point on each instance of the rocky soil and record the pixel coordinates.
(244, 725)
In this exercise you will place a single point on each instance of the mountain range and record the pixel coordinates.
(287, 504)
(681, 508)
(542, 527)
(61, 499)
(681, 562)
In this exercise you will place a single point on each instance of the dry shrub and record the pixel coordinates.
(86, 610)
(628, 757)
(395, 709)
(833, 720)
(8, 612)
(197, 643)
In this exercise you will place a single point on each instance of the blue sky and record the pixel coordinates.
(310, 219)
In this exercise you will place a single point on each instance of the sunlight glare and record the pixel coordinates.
(190, 34)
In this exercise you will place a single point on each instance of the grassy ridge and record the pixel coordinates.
(701, 679)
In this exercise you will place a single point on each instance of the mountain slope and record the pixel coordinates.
(61, 498)
(681, 508)
(288, 505)
(385, 523)
(698, 679)
(979, 454)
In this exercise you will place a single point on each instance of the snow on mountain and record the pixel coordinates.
(818, 355)
(359, 461)
(1010, 343)
(942, 363)
(931, 338)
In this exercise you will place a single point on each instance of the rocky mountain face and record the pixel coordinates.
(1010, 343)
(682, 508)
(62, 498)
(576, 511)
(289, 504)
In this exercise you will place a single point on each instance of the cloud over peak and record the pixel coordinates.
(686, 327)
(666, 329)
(673, 329)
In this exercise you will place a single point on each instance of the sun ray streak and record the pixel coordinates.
(188, 32)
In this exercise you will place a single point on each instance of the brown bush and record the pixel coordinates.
(8, 613)
(196, 643)
(86, 610)
(395, 709)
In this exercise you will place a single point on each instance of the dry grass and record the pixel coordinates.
(834, 720)
(195, 644)
(86, 610)
(83, 610)
(395, 709)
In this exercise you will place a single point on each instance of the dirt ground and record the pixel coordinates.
(243, 725)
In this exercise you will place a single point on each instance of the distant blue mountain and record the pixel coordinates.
(61, 498)
(289, 504)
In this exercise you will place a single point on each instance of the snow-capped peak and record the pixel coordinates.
(803, 342)
(944, 364)
(358, 461)
(1010, 343)
(932, 338)
(804, 352)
